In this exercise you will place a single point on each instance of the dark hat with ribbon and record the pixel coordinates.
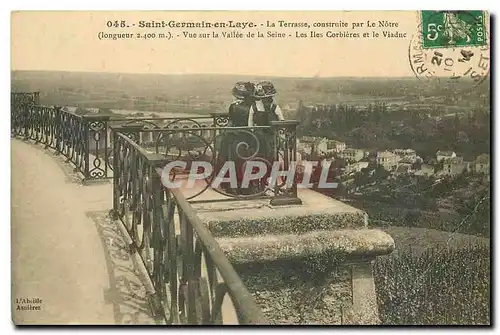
(243, 89)
(264, 89)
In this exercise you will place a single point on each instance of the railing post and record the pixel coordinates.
(285, 141)
(86, 150)
(116, 175)
(36, 128)
(20, 107)
(131, 130)
(183, 264)
(14, 116)
(57, 129)
(26, 120)
(109, 147)
(157, 240)
(220, 119)
(96, 126)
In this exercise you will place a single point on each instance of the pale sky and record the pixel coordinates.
(68, 41)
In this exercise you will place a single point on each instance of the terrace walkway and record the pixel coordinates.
(65, 251)
(73, 263)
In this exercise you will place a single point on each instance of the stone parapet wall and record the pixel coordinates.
(305, 264)
(292, 293)
(325, 246)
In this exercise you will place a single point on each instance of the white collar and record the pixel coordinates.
(260, 106)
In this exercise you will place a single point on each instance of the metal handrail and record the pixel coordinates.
(137, 190)
(247, 309)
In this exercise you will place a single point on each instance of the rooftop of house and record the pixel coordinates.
(334, 142)
(405, 151)
(445, 153)
(385, 154)
(352, 150)
(406, 161)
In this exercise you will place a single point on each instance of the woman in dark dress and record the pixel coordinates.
(262, 112)
(235, 144)
(239, 109)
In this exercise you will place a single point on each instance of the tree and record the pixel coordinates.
(372, 165)
(417, 165)
(360, 179)
(439, 166)
(431, 160)
(339, 163)
(381, 173)
(463, 137)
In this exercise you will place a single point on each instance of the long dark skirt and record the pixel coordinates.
(241, 147)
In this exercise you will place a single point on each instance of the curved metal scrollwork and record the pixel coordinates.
(188, 270)
(82, 139)
(238, 145)
(221, 121)
(190, 273)
(98, 148)
(85, 142)
(55, 128)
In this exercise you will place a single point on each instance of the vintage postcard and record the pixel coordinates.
(251, 167)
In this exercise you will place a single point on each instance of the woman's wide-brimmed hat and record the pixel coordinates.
(264, 89)
(243, 89)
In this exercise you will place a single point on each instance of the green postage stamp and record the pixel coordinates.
(449, 29)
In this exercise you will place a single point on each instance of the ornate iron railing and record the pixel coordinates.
(216, 145)
(139, 126)
(67, 133)
(190, 273)
(85, 140)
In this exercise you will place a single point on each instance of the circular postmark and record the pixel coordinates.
(451, 47)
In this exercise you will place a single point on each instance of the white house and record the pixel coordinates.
(356, 167)
(353, 154)
(335, 146)
(442, 154)
(482, 164)
(388, 160)
(408, 154)
(455, 166)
